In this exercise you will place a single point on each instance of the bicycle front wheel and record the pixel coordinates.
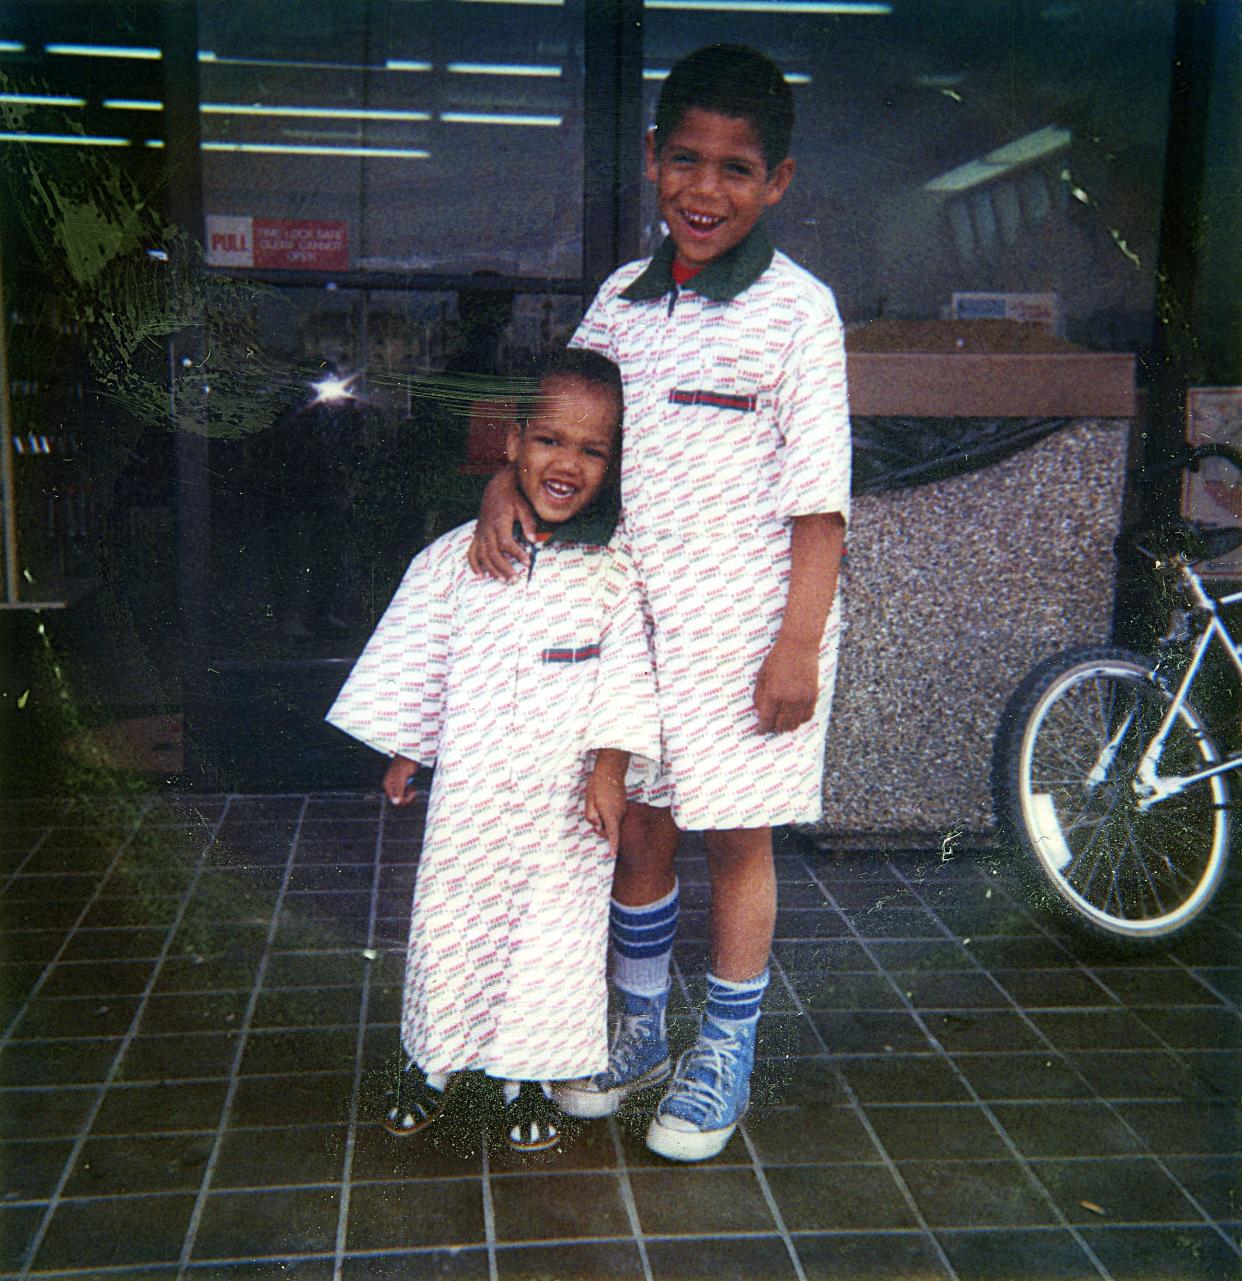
(1065, 770)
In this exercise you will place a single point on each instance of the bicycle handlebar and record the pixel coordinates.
(1192, 456)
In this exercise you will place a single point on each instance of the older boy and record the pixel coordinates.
(529, 699)
(735, 487)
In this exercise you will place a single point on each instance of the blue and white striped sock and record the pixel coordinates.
(642, 944)
(729, 1002)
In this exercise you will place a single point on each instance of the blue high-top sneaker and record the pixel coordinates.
(708, 1094)
(637, 1060)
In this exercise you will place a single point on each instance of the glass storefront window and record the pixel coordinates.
(962, 146)
(444, 136)
(319, 504)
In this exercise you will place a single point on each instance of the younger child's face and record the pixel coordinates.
(562, 454)
(712, 183)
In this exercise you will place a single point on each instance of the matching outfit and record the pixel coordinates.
(509, 689)
(735, 421)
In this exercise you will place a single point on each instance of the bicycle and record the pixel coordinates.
(1107, 777)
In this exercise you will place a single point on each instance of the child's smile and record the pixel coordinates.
(712, 183)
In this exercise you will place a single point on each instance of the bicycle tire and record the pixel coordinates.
(1115, 871)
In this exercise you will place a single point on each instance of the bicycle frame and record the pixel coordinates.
(1150, 787)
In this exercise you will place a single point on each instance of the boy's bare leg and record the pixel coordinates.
(711, 1088)
(645, 861)
(743, 912)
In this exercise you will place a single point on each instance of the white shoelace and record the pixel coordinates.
(716, 1059)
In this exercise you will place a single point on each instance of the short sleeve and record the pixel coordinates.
(393, 699)
(624, 711)
(594, 332)
(812, 417)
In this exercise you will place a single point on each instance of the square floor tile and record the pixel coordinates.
(951, 990)
(1184, 1128)
(240, 1225)
(280, 1157)
(157, 1058)
(290, 1268)
(811, 1135)
(31, 1169)
(699, 1201)
(977, 1031)
(1155, 985)
(73, 1062)
(843, 990)
(920, 954)
(1053, 989)
(1022, 1076)
(867, 1032)
(97, 978)
(443, 1265)
(193, 1012)
(838, 1197)
(976, 1194)
(18, 1225)
(44, 1114)
(300, 1050)
(309, 1008)
(1018, 1255)
(1124, 1189)
(605, 1261)
(161, 1106)
(77, 1016)
(1214, 1182)
(119, 1166)
(907, 1078)
(943, 1131)
(1220, 1071)
(1066, 1130)
(1138, 1074)
(1094, 1030)
(114, 1232)
(550, 1207)
(452, 1148)
(307, 1098)
(1195, 1028)
(1164, 1253)
(105, 944)
(713, 1259)
(405, 1215)
(869, 1256)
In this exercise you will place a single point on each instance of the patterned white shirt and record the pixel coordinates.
(509, 689)
(736, 421)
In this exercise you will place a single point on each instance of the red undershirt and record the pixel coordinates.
(682, 273)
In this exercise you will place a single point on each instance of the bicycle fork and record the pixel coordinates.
(1150, 787)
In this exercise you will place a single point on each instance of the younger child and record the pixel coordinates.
(736, 492)
(529, 699)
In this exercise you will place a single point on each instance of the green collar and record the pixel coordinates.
(594, 524)
(720, 280)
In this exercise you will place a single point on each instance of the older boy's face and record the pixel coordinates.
(563, 453)
(712, 183)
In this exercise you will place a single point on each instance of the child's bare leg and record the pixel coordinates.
(645, 861)
(743, 912)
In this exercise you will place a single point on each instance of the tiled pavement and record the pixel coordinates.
(199, 1020)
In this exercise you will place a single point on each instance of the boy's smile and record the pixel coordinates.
(712, 183)
(562, 455)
